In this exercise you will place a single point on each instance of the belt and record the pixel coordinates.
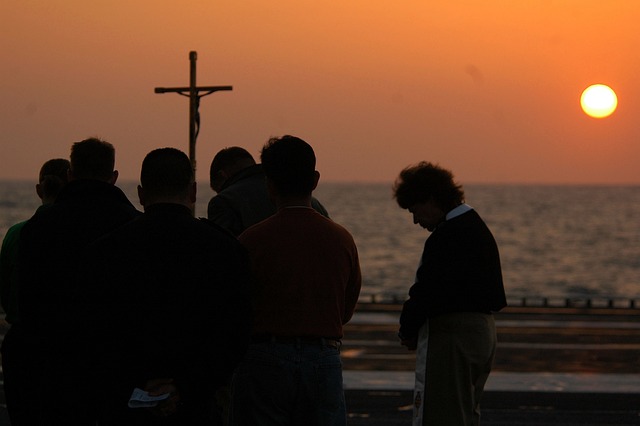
(321, 341)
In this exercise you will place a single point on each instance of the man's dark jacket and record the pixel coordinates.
(50, 246)
(45, 337)
(459, 272)
(167, 297)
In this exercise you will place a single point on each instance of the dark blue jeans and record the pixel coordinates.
(288, 384)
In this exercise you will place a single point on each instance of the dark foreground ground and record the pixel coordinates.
(557, 366)
(389, 408)
(554, 366)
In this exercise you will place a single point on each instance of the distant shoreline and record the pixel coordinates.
(390, 183)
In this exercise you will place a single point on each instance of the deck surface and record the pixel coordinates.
(554, 366)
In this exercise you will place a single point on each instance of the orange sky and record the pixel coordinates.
(488, 88)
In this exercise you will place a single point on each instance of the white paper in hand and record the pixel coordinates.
(141, 399)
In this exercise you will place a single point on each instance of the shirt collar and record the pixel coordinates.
(461, 209)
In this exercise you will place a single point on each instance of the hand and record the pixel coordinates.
(411, 344)
(168, 406)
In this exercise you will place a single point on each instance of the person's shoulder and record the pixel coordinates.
(317, 206)
(43, 219)
(251, 186)
(221, 202)
(324, 220)
(265, 227)
(327, 224)
(468, 218)
(341, 230)
(340, 234)
(257, 228)
(221, 240)
(121, 233)
(468, 226)
(12, 235)
(15, 229)
(215, 229)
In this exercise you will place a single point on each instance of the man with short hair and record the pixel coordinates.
(305, 284)
(448, 316)
(52, 178)
(51, 244)
(167, 299)
(242, 198)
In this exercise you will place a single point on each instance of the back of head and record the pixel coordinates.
(93, 158)
(53, 176)
(290, 164)
(228, 160)
(419, 183)
(166, 174)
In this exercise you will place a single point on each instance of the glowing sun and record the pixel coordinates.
(598, 101)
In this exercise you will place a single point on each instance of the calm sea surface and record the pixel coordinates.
(555, 241)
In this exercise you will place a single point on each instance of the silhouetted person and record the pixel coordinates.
(52, 177)
(305, 284)
(448, 316)
(52, 241)
(167, 300)
(242, 198)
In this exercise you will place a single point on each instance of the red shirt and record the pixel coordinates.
(306, 274)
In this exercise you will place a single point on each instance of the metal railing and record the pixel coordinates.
(534, 301)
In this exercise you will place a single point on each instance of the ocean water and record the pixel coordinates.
(578, 242)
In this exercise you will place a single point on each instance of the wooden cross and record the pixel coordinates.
(193, 92)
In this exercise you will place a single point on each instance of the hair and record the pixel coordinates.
(227, 158)
(423, 181)
(290, 164)
(93, 158)
(166, 172)
(53, 176)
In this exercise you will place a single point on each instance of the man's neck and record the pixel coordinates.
(284, 202)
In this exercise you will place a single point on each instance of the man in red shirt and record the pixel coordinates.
(306, 282)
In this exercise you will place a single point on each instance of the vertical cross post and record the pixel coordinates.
(193, 108)
(194, 94)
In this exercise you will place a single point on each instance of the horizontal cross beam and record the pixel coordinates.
(193, 92)
(184, 90)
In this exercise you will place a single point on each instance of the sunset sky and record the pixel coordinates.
(488, 88)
